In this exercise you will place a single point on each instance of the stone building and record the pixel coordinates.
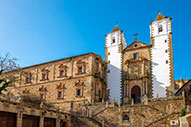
(77, 79)
(129, 72)
(180, 83)
(132, 73)
(138, 69)
(186, 90)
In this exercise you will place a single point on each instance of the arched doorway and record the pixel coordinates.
(136, 94)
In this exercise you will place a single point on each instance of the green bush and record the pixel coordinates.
(183, 112)
(69, 77)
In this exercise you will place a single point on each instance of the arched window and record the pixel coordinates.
(160, 28)
(113, 40)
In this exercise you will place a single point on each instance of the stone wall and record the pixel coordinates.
(42, 113)
(153, 112)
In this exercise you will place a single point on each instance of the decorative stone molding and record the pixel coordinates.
(79, 88)
(44, 74)
(43, 89)
(62, 71)
(28, 77)
(60, 89)
(81, 67)
(25, 91)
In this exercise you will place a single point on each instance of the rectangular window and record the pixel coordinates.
(113, 40)
(78, 92)
(61, 73)
(44, 76)
(59, 95)
(135, 56)
(28, 80)
(42, 96)
(80, 69)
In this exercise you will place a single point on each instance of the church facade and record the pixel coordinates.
(141, 69)
(129, 71)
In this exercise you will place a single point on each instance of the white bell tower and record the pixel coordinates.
(162, 56)
(114, 45)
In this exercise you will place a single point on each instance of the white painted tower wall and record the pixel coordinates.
(160, 69)
(114, 76)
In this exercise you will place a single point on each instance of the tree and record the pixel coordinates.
(3, 83)
(8, 63)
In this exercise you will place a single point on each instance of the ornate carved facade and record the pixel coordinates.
(136, 72)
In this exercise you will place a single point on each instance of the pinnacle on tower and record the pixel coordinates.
(115, 29)
(159, 17)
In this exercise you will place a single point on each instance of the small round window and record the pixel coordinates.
(135, 45)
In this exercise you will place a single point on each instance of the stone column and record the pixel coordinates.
(70, 121)
(127, 89)
(103, 123)
(143, 68)
(146, 88)
(19, 119)
(58, 122)
(132, 101)
(143, 88)
(41, 121)
(146, 101)
(124, 90)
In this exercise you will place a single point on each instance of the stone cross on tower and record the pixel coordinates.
(135, 36)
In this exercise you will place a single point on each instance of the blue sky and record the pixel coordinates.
(36, 31)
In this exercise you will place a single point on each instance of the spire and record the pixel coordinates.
(115, 29)
(159, 17)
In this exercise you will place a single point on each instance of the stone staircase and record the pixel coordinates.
(151, 114)
(154, 123)
(98, 110)
(110, 115)
(83, 121)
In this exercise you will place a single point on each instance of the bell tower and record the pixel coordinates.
(162, 56)
(114, 45)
